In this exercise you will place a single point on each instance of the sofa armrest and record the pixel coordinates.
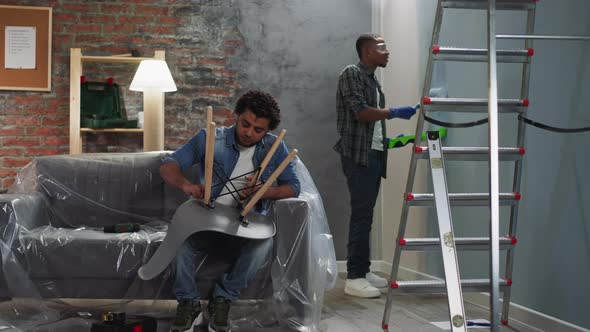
(22, 210)
(18, 213)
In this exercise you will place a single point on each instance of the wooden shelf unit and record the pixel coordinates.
(153, 138)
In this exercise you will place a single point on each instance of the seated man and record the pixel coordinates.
(239, 150)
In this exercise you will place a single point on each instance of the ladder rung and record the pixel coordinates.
(473, 105)
(483, 4)
(479, 54)
(461, 243)
(473, 153)
(461, 199)
(438, 286)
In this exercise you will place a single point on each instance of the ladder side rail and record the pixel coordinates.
(530, 36)
(446, 234)
(520, 140)
(493, 167)
(412, 170)
(427, 84)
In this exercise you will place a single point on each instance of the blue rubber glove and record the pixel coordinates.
(405, 112)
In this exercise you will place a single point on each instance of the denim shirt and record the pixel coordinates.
(227, 155)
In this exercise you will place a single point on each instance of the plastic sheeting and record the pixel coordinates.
(53, 248)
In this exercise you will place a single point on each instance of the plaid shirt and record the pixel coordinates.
(357, 90)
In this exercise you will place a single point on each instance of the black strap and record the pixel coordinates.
(551, 128)
(520, 117)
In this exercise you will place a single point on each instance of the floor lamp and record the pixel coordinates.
(153, 78)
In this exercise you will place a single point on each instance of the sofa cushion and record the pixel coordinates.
(51, 252)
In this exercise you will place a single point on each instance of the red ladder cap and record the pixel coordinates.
(513, 240)
(419, 149)
(409, 196)
(110, 81)
(525, 102)
(394, 284)
(508, 281)
(521, 151)
(402, 242)
(82, 79)
(517, 196)
(531, 51)
(504, 321)
(435, 49)
(384, 326)
(426, 100)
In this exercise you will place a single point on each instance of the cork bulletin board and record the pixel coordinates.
(25, 48)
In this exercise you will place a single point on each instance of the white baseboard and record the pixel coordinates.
(532, 318)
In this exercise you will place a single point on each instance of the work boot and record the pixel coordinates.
(188, 315)
(218, 315)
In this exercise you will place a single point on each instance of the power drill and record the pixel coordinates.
(121, 228)
(117, 322)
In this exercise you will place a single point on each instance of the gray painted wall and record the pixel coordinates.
(296, 50)
(553, 254)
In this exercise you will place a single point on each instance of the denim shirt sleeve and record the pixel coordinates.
(351, 89)
(190, 153)
(289, 175)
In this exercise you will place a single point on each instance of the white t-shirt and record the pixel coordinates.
(377, 133)
(244, 165)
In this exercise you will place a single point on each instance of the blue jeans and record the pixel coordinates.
(363, 185)
(249, 255)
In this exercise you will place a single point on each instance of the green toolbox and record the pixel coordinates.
(100, 106)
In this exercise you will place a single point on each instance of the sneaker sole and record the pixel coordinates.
(378, 285)
(358, 294)
(210, 329)
(197, 322)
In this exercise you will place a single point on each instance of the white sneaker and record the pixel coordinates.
(360, 288)
(375, 280)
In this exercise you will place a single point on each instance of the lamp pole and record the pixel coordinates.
(153, 125)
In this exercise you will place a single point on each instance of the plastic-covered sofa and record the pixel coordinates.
(53, 244)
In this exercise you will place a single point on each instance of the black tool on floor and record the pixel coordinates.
(118, 322)
(122, 228)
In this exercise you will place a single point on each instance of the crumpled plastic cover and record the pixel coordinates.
(60, 271)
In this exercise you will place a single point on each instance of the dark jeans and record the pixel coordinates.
(249, 255)
(363, 185)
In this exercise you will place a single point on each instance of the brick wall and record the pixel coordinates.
(203, 47)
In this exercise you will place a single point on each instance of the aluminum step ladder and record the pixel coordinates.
(493, 154)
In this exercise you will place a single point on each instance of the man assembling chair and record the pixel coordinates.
(240, 164)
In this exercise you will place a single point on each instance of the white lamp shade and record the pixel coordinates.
(153, 75)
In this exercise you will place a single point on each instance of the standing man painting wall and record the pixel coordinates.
(360, 105)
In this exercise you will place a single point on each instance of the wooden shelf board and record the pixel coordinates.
(113, 59)
(112, 130)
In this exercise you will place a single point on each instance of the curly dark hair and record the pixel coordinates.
(262, 104)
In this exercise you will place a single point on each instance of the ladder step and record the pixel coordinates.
(483, 4)
(461, 199)
(480, 54)
(473, 105)
(438, 286)
(461, 243)
(473, 153)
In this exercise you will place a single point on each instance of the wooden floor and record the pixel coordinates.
(409, 313)
(340, 313)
